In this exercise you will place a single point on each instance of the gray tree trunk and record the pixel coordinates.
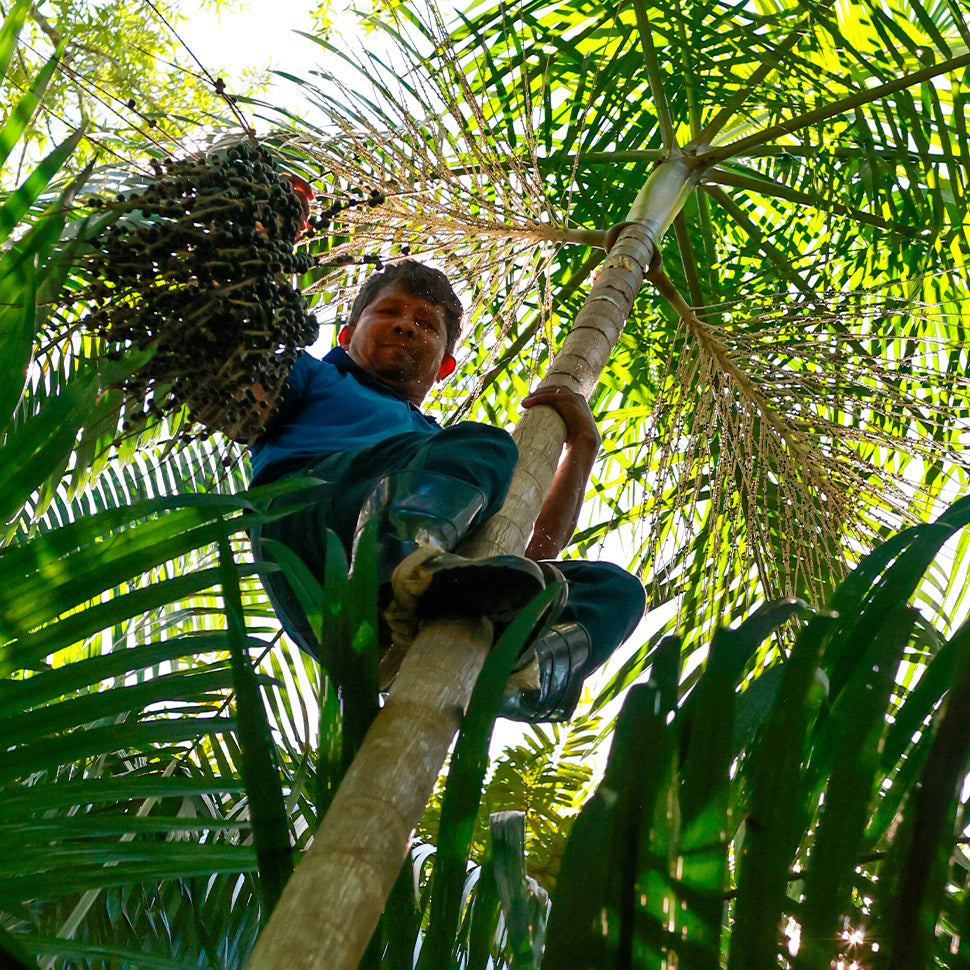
(334, 899)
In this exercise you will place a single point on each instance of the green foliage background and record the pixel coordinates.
(812, 404)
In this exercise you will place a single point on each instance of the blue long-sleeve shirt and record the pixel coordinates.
(330, 405)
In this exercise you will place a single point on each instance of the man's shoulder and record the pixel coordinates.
(308, 363)
(308, 369)
(338, 379)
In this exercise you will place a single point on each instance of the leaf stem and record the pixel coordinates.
(760, 151)
(703, 140)
(833, 109)
(655, 77)
(777, 190)
(690, 84)
(688, 260)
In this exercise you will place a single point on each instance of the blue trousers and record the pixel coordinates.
(605, 599)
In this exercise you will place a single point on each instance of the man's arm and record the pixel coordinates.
(560, 510)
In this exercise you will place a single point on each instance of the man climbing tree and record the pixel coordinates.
(352, 421)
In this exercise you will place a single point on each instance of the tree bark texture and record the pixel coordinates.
(334, 899)
(540, 434)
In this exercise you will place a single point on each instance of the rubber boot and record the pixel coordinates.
(559, 660)
(420, 517)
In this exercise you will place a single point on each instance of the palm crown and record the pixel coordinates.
(793, 386)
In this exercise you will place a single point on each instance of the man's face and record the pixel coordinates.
(402, 340)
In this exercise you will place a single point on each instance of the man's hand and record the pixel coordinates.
(581, 429)
(560, 510)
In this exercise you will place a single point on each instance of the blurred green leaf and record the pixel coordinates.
(524, 908)
(271, 831)
(463, 793)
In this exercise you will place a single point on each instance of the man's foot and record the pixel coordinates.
(549, 681)
(445, 584)
(434, 583)
(430, 582)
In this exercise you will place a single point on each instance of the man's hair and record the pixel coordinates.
(417, 280)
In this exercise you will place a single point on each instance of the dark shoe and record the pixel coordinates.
(446, 584)
(496, 587)
(420, 516)
(560, 657)
(550, 575)
(430, 583)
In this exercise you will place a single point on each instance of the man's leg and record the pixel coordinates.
(303, 531)
(476, 456)
(419, 513)
(604, 605)
(472, 459)
(607, 600)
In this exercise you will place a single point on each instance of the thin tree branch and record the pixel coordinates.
(86, 86)
(230, 101)
(833, 109)
(767, 187)
(64, 120)
(655, 77)
(45, 25)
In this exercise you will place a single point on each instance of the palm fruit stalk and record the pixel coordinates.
(197, 266)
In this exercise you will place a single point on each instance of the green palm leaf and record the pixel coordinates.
(799, 401)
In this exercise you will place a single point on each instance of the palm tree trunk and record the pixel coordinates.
(334, 899)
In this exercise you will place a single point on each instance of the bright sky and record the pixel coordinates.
(258, 34)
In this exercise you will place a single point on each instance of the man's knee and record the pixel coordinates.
(610, 582)
(478, 454)
(484, 441)
(605, 598)
(627, 589)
